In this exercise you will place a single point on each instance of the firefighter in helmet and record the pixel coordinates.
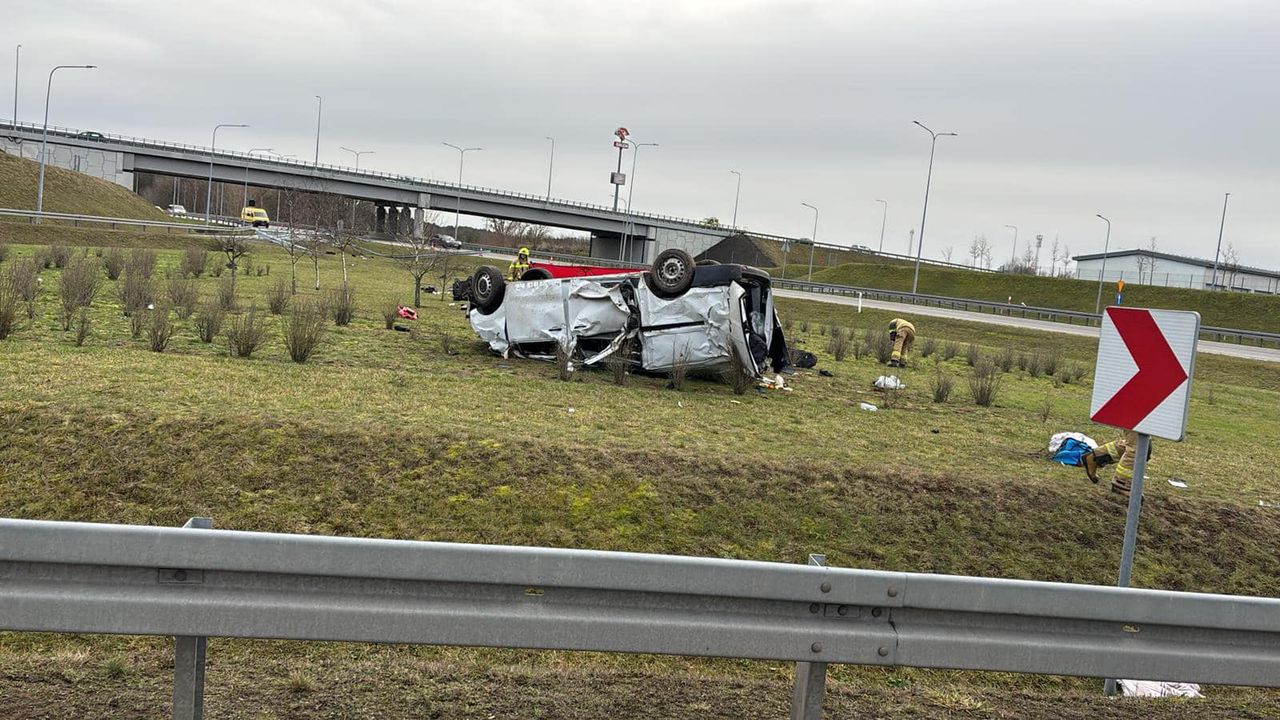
(902, 334)
(519, 265)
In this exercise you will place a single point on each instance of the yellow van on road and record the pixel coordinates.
(255, 216)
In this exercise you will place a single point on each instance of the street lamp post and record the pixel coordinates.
(631, 191)
(208, 198)
(884, 217)
(457, 212)
(813, 241)
(357, 153)
(1097, 306)
(915, 282)
(44, 140)
(17, 59)
(279, 190)
(1214, 283)
(736, 193)
(247, 164)
(1013, 258)
(551, 166)
(319, 110)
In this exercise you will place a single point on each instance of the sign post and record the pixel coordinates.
(1142, 383)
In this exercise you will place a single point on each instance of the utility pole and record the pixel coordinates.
(884, 217)
(1097, 305)
(17, 59)
(1013, 257)
(208, 198)
(736, 193)
(1214, 283)
(631, 189)
(915, 282)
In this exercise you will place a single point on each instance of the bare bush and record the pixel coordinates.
(136, 293)
(972, 354)
(984, 382)
(216, 269)
(941, 386)
(838, 343)
(881, 345)
(680, 369)
(1052, 360)
(446, 342)
(142, 261)
(1046, 409)
(788, 324)
(77, 286)
(1078, 372)
(194, 261)
(26, 283)
(737, 375)
(59, 256)
(227, 293)
(1005, 359)
(804, 326)
(82, 327)
(390, 313)
(859, 346)
(950, 349)
(928, 346)
(1034, 365)
(113, 263)
(137, 321)
(245, 333)
(342, 305)
(159, 329)
(303, 327)
(278, 297)
(9, 299)
(1022, 361)
(208, 321)
(183, 293)
(619, 363)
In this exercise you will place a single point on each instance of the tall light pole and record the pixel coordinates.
(631, 191)
(357, 153)
(248, 163)
(813, 241)
(208, 198)
(551, 166)
(44, 140)
(1013, 257)
(1214, 283)
(457, 212)
(736, 193)
(1097, 306)
(279, 190)
(884, 217)
(17, 59)
(319, 110)
(915, 282)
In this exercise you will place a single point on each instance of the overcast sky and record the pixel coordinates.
(1144, 111)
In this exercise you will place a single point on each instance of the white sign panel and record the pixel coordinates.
(1143, 377)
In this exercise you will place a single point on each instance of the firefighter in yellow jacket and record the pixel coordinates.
(902, 334)
(519, 265)
(1123, 454)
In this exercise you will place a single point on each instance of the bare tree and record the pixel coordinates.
(421, 261)
(947, 251)
(1151, 261)
(508, 232)
(982, 250)
(1230, 263)
(234, 247)
(1053, 257)
(975, 252)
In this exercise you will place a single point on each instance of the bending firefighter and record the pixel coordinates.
(902, 334)
(519, 265)
(1080, 450)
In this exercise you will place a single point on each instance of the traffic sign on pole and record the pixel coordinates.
(1142, 381)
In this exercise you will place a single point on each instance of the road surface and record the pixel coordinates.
(1248, 352)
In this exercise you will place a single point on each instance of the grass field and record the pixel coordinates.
(425, 435)
(66, 191)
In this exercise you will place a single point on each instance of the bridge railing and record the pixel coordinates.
(76, 220)
(197, 582)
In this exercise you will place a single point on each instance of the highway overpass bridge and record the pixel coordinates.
(400, 199)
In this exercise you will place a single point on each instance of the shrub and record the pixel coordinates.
(59, 256)
(217, 269)
(972, 354)
(342, 305)
(1063, 376)
(142, 261)
(1005, 360)
(303, 329)
(194, 261)
(928, 346)
(1051, 362)
(77, 287)
(941, 386)
(245, 333)
(278, 297)
(804, 326)
(619, 363)
(950, 349)
(390, 313)
(838, 343)
(137, 321)
(984, 382)
(446, 342)
(227, 293)
(82, 327)
(9, 298)
(159, 329)
(183, 294)
(736, 374)
(1078, 372)
(680, 369)
(1033, 365)
(4, 252)
(208, 322)
(136, 293)
(1046, 409)
(788, 324)
(859, 346)
(113, 263)
(25, 275)
(1022, 361)
(882, 346)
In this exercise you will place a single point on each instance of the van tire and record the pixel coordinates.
(487, 289)
(672, 273)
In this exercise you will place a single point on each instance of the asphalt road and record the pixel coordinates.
(1215, 348)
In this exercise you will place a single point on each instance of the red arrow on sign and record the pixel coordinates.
(1159, 370)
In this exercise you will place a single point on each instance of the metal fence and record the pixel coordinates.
(197, 582)
(75, 220)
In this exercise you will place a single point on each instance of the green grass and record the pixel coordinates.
(383, 434)
(66, 191)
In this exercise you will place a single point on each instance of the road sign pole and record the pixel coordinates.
(1131, 522)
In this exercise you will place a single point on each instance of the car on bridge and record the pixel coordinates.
(674, 314)
(255, 216)
(91, 135)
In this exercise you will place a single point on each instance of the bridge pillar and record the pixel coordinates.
(393, 220)
(380, 224)
(419, 223)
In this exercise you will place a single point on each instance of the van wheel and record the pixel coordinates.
(536, 273)
(487, 289)
(672, 273)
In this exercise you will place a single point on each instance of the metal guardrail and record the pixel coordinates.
(115, 223)
(196, 582)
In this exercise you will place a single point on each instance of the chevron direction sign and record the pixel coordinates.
(1143, 377)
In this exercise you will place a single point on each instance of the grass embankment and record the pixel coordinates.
(66, 191)
(428, 436)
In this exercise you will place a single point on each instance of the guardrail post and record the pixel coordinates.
(811, 678)
(188, 661)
